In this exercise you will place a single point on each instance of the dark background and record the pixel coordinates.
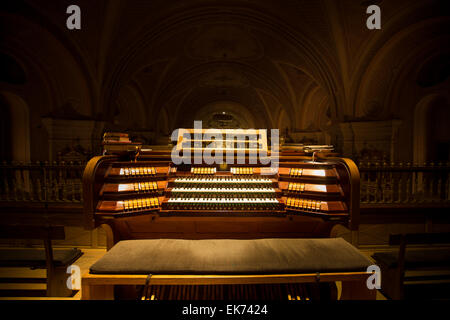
(309, 68)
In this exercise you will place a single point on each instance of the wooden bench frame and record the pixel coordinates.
(56, 275)
(101, 286)
(393, 281)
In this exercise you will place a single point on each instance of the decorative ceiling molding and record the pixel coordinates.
(308, 51)
(224, 77)
(224, 41)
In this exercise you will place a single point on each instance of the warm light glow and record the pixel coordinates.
(321, 187)
(320, 173)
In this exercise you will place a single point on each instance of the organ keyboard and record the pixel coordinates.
(148, 195)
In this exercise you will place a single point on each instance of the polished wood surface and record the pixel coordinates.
(56, 274)
(102, 286)
(312, 196)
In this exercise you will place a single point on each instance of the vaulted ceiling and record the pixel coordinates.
(163, 64)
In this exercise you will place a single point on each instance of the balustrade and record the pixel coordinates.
(404, 183)
(41, 182)
(381, 182)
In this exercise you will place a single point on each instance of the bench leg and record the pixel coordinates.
(56, 276)
(357, 290)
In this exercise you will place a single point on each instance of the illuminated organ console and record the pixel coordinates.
(147, 195)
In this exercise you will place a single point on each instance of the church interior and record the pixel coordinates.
(371, 104)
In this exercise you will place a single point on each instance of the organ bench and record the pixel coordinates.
(226, 269)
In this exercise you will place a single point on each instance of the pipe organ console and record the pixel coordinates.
(146, 194)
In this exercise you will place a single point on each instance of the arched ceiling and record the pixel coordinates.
(303, 64)
(198, 52)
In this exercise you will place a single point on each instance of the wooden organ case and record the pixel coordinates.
(147, 195)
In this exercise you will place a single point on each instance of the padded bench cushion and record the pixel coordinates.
(35, 258)
(225, 256)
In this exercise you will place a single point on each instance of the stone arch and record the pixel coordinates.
(434, 70)
(19, 126)
(283, 121)
(429, 116)
(5, 131)
(185, 79)
(311, 52)
(284, 124)
(392, 65)
(51, 61)
(303, 91)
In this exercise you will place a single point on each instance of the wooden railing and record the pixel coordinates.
(381, 182)
(41, 182)
(404, 183)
